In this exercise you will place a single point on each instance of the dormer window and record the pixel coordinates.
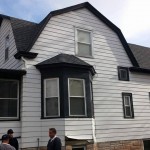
(7, 47)
(84, 43)
(123, 74)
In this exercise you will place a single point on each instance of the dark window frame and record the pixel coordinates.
(119, 73)
(19, 98)
(131, 105)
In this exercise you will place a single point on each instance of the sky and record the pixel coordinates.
(131, 16)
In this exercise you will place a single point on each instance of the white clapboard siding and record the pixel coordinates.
(58, 37)
(11, 63)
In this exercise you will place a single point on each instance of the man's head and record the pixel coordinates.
(52, 132)
(5, 138)
(10, 133)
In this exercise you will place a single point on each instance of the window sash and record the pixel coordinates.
(86, 43)
(129, 97)
(85, 113)
(125, 76)
(57, 96)
(17, 99)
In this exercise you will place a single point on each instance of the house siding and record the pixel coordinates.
(59, 37)
(11, 63)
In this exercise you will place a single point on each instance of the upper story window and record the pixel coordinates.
(123, 73)
(77, 104)
(128, 105)
(84, 43)
(9, 99)
(7, 47)
(51, 104)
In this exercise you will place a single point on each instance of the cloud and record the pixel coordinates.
(131, 16)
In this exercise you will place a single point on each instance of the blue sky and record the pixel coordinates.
(131, 16)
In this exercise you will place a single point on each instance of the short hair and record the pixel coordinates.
(53, 130)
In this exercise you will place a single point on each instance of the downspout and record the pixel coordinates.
(24, 62)
(93, 130)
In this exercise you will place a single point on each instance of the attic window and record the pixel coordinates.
(84, 43)
(7, 47)
(123, 74)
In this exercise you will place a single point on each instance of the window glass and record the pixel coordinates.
(52, 97)
(8, 99)
(84, 37)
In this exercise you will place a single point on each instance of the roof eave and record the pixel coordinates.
(25, 54)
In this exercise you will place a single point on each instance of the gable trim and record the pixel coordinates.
(96, 13)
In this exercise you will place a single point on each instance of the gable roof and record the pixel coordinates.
(142, 55)
(39, 27)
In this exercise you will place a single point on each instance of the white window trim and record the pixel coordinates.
(127, 105)
(76, 42)
(81, 146)
(18, 102)
(77, 96)
(57, 95)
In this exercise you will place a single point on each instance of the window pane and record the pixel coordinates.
(51, 88)
(84, 49)
(76, 87)
(8, 108)
(123, 74)
(77, 106)
(128, 111)
(52, 106)
(127, 100)
(84, 36)
(7, 42)
(6, 53)
(8, 89)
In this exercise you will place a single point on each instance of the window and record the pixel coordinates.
(123, 73)
(78, 148)
(6, 47)
(146, 143)
(77, 105)
(83, 43)
(128, 105)
(9, 99)
(51, 102)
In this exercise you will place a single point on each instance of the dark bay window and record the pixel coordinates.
(9, 99)
(66, 87)
(77, 104)
(52, 106)
(128, 105)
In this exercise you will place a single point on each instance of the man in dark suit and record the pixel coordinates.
(12, 141)
(54, 143)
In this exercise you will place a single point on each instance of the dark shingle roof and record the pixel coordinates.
(36, 29)
(64, 58)
(142, 55)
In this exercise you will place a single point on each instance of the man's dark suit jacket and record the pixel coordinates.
(14, 142)
(54, 144)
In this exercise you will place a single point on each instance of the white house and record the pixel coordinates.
(73, 71)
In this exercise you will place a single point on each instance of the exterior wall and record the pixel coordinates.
(11, 63)
(59, 37)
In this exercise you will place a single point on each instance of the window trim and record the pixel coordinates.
(76, 42)
(7, 48)
(85, 105)
(45, 98)
(131, 105)
(119, 74)
(18, 102)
